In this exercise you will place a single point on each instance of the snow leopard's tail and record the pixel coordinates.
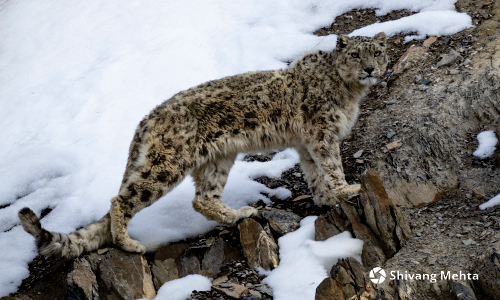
(88, 238)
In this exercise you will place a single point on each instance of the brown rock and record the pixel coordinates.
(329, 289)
(413, 55)
(393, 145)
(428, 42)
(412, 194)
(233, 290)
(348, 280)
(81, 281)
(125, 275)
(259, 249)
(382, 216)
(163, 271)
(323, 229)
(478, 193)
(377, 221)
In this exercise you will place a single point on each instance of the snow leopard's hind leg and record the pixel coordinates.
(209, 181)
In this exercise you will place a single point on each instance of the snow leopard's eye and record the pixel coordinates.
(377, 53)
(355, 55)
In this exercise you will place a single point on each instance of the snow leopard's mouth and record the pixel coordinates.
(368, 79)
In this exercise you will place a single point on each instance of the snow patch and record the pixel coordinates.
(304, 262)
(180, 289)
(490, 203)
(487, 144)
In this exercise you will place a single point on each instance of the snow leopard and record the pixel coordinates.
(310, 106)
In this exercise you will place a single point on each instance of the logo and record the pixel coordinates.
(377, 275)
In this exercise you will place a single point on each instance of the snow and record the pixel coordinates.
(490, 203)
(304, 263)
(180, 289)
(487, 144)
(77, 77)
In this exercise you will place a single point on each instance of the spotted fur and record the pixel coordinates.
(310, 106)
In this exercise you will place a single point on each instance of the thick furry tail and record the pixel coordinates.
(88, 238)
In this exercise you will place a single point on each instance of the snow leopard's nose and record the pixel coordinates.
(369, 70)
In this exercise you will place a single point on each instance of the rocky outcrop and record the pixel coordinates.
(375, 220)
(259, 247)
(348, 280)
(489, 274)
(81, 281)
(124, 276)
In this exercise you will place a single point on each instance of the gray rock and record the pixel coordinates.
(358, 154)
(463, 291)
(281, 221)
(264, 289)
(390, 134)
(425, 81)
(448, 58)
(468, 242)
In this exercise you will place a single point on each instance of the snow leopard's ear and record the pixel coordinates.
(342, 42)
(380, 38)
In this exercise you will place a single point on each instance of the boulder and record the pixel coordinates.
(81, 281)
(259, 248)
(124, 275)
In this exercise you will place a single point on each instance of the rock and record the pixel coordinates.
(220, 280)
(382, 216)
(324, 229)
(281, 221)
(125, 275)
(164, 271)
(478, 193)
(448, 58)
(219, 254)
(428, 42)
(81, 281)
(469, 242)
(329, 289)
(412, 56)
(390, 134)
(102, 251)
(264, 289)
(259, 249)
(488, 270)
(302, 197)
(425, 81)
(393, 145)
(358, 154)
(463, 291)
(233, 290)
(348, 280)
(413, 194)
(167, 263)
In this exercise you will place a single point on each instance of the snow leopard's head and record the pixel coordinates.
(361, 59)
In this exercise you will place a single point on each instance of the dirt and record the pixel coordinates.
(439, 229)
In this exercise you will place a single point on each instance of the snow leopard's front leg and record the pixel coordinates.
(325, 153)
